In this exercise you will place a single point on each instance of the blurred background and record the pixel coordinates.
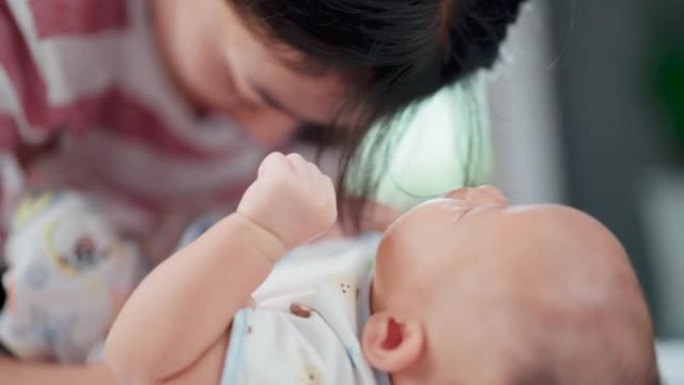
(588, 109)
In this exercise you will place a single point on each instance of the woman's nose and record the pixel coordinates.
(267, 126)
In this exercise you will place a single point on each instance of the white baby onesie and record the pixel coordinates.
(306, 325)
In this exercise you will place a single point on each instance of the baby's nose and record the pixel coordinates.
(479, 195)
(493, 194)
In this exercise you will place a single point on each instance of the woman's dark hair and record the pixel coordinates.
(395, 52)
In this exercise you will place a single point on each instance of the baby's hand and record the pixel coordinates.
(291, 198)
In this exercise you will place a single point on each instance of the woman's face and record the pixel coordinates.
(223, 66)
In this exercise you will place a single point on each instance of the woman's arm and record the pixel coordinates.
(187, 303)
(24, 373)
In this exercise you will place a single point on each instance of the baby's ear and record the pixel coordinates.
(392, 345)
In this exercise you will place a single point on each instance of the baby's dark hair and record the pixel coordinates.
(394, 52)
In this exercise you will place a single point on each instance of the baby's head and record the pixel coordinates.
(469, 290)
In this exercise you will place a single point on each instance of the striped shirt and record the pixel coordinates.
(90, 72)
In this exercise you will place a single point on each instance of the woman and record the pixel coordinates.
(163, 109)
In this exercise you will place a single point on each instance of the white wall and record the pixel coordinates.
(525, 127)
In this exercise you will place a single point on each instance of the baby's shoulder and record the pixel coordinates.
(344, 264)
(297, 345)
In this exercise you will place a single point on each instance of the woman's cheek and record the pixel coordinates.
(269, 127)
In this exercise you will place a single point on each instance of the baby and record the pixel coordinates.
(464, 290)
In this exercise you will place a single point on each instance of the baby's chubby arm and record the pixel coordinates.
(185, 306)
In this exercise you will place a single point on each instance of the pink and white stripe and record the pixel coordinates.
(89, 71)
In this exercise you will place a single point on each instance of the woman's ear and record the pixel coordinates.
(392, 345)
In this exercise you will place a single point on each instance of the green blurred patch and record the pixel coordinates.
(669, 84)
(667, 68)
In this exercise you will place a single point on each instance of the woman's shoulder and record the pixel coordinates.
(62, 39)
(72, 65)
(68, 18)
